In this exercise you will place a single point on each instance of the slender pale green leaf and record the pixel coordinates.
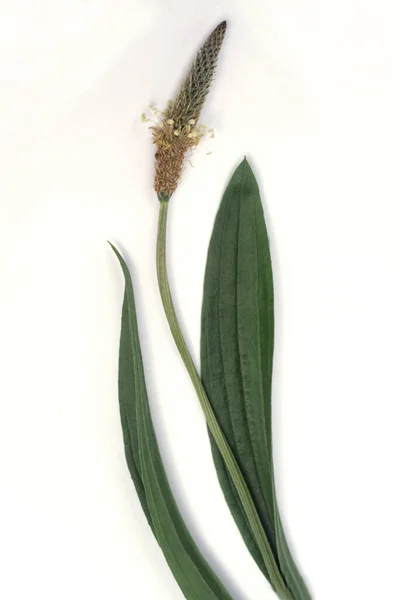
(236, 355)
(191, 571)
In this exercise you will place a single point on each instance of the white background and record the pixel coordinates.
(310, 92)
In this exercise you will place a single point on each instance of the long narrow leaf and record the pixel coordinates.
(236, 358)
(191, 571)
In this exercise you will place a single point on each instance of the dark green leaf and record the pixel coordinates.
(191, 571)
(236, 355)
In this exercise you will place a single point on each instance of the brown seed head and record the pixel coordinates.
(178, 131)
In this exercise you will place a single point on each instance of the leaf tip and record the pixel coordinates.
(245, 163)
(113, 247)
(116, 252)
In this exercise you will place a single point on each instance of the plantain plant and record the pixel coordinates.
(237, 342)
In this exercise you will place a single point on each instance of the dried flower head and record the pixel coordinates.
(178, 131)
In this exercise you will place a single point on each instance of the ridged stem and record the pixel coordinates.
(233, 468)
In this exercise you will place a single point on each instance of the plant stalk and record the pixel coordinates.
(249, 508)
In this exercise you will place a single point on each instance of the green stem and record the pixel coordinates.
(250, 510)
